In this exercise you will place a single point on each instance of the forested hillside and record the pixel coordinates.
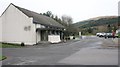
(98, 24)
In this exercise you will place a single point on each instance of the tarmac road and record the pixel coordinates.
(86, 51)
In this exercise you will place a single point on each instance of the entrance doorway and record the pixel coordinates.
(44, 35)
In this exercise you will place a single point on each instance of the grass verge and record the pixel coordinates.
(2, 58)
(5, 45)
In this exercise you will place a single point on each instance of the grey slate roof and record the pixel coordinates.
(40, 19)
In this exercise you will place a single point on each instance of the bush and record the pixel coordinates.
(2, 57)
(118, 35)
(68, 38)
(73, 37)
(22, 44)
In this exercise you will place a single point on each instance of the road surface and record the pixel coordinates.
(87, 51)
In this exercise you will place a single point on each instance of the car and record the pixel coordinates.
(102, 34)
(116, 36)
(108, 35)
(97, 34)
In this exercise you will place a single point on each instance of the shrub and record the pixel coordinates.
(73, 37)
(22, 44)
(118, 35)
(2, 57)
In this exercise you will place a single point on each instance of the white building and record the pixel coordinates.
(0, 30)
(22, 25)
(117, 31)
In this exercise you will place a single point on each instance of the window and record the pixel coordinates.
(27, 28)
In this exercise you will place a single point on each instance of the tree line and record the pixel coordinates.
(65, 20)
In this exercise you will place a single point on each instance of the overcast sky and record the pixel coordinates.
(78, 9)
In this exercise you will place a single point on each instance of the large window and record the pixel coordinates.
(53, 32)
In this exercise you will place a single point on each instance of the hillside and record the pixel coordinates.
(98, 24)
(97, 21)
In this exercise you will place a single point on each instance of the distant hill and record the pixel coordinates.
(97, 21)
(98, 24)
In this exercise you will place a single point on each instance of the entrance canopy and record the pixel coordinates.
(48, 29)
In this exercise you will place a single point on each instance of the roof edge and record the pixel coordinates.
(27, 15)
(6, 9)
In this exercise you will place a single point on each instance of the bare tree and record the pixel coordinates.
(67, 20)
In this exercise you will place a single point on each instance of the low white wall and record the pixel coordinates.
(54, 38)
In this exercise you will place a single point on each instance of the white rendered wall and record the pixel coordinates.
(54, 38)
(0, 29)
(14, 22)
